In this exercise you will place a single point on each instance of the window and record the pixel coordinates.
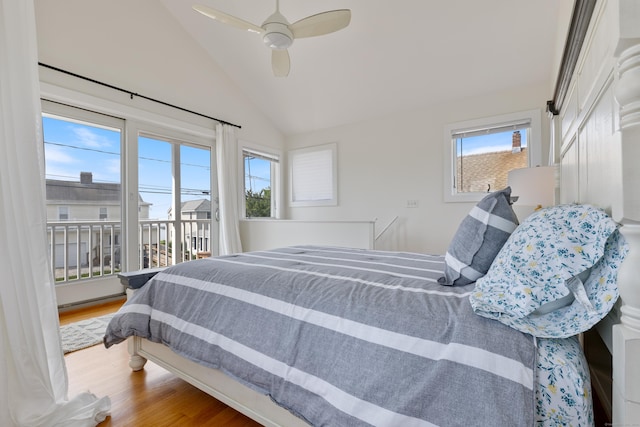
(313, 176)
(260, 172)
(480, 153)
(103, 214)
(63, 213)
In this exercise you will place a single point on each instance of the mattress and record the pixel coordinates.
(344, 336)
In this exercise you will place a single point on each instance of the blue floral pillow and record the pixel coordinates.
(562, 251)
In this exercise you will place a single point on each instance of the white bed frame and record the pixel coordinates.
(597, 125)
(213, 382)
(596, 143)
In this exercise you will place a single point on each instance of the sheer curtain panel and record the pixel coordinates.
(33, 376)
(227, 158)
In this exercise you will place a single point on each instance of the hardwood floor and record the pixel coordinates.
(151, 397)
(78, 314)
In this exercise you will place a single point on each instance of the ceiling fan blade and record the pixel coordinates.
(227, 19)
(321, 23)
(280, 62)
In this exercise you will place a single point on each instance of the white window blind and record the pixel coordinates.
(260, 155)
(313, 176)
(490, 130)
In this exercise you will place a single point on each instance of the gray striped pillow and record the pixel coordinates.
(479, 238)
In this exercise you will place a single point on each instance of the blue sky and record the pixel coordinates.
(71, 148)
(257, 174)
(490, 143)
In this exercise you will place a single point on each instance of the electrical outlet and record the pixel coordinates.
(412, 203)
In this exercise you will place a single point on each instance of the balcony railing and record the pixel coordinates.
(81, 250)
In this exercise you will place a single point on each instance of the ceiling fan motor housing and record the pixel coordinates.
(277, 34)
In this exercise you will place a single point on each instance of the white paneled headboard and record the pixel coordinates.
(597, 146)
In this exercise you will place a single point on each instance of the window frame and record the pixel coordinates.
(333, 201)
(534, 147)
(268, 153)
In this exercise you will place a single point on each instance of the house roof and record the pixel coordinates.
(71, 191)
(497, 164)
(84, 191)
(201, 205)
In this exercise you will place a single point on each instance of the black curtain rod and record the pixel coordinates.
(132, 94)
(580, 19)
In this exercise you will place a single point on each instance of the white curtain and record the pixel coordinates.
(33, 376)
(227, 158)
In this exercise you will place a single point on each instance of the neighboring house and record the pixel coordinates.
(488, 171)
(91, 209)
(476, 168)
(196, 216)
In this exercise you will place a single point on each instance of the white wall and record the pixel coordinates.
(261, 234)
(384, 163)
(138, 46)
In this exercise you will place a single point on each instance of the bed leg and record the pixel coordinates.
(136, 362)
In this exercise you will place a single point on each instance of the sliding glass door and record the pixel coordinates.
(83, 181)
(176, 213)
(120, 198)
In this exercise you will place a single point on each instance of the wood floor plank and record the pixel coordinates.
(77, 314)
(152, 397)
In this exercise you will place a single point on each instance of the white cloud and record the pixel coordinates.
(486, 149)
(60, 172)
(55, 154)
(89, 138)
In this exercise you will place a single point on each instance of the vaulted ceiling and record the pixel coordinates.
(393, 57)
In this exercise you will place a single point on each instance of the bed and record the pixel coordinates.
(343, 336)
(596, 147)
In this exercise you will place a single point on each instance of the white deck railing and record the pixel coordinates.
(87, 249)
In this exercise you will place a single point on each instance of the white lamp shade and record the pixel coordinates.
(533, 186)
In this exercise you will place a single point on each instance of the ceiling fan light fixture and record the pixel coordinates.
(277, 34)
(277, 40)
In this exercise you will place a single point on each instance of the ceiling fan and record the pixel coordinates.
(278, 34)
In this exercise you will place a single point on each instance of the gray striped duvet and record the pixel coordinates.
(341, 337)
